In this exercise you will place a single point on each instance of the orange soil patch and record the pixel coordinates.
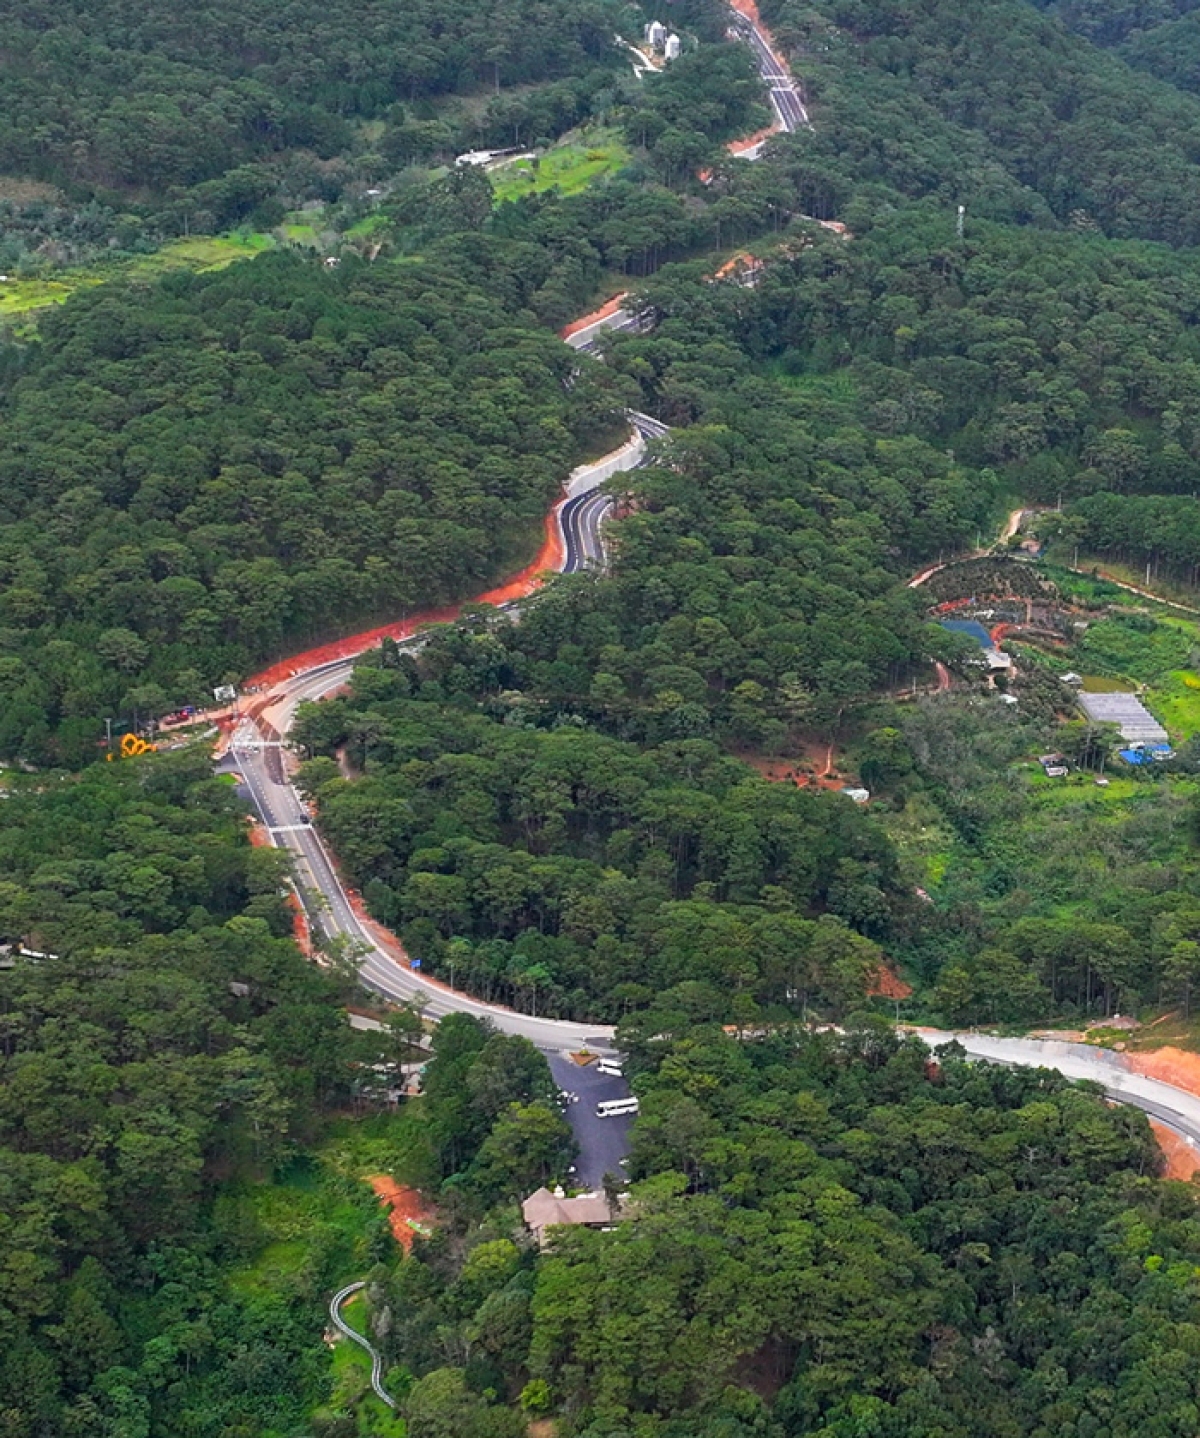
(608, 308)
(300, 929)
(819, 757)
(258, 835)
(549, 560)
(886, 983)
(748, 142)
(743, 260)
(1170, 1065)
(404, 1205)
(1182, 1159)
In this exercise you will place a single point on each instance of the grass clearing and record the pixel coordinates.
(567, 168)
(1176, 700)
(1081, 788)
(313, 1226)
(21, 299)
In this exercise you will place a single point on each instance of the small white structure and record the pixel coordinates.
(672, 47)
(656, 34)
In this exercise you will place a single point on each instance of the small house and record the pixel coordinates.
(545, 1209)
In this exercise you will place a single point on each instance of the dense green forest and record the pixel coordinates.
(197, 477)
(998, 107)
(167, 1035)
(162, 1050)
(829, 1235)
(152, 102)
(543, 865)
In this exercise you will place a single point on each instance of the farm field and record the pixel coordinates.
(566, 168)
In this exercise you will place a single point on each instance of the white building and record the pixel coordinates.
(656, 34)
(672, 47)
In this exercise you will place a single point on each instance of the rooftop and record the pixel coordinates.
(1127, 712)
(543, 1209)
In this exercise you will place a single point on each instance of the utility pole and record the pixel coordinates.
(962, 215)
(108, 734)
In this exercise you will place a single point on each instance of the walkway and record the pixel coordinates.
(335, 1313)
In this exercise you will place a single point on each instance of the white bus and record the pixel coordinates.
(610, 1108)
(610, 1067)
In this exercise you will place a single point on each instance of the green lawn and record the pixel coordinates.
(352, 1390)
(18, 297)
(1080, 787)
(368, 225)
(311, 1227)
(1176, 701)
(568, 168)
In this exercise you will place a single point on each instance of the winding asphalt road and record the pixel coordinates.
(259, 761)
(256, 755)
(1175, 1107)
(260, 766)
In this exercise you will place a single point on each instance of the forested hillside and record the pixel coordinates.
(541, 865)
(996, 106)
(829, 1233)
(196, 476)
(831, 1236)
(152, 99)
(167, 1036)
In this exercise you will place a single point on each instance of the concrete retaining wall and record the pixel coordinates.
(590, 476)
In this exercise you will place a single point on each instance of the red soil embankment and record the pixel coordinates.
(606, 310)
(748, 142)
(1170, 1065)
(549, 560)
(1182, 1159)
(300, 929)
(886, 983)
(783, 771)
(1178, 1067)
(404, 1206)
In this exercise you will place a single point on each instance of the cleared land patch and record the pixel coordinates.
(567, 168)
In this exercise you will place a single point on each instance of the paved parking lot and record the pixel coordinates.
(603, 1142)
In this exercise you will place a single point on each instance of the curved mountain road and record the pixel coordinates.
(256, 755)
(259, 761)
(1175, 1107)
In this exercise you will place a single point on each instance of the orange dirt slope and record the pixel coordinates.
(404, 1205)
(549, 559)
(1182, 1159)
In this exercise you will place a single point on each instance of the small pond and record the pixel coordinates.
(971, 627)
(1102, 684)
